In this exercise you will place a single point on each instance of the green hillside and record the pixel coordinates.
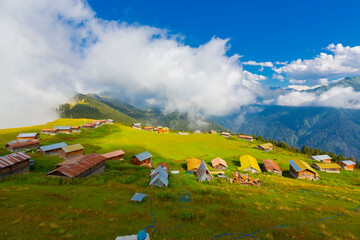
(35, 206)
(94, 106)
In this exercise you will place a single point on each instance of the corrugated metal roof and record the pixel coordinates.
(245, 136)
(271, 165)
(348, 162)
(113, 154)
(193, 164)
(248, 161)
(203, 173)
(21, 143)
(48, 130)
(74, 169)
(22, 135)
(161, 178)
(75, 127)
(218, 161)
(327, 165)
(53, 146)
(136, 124)
(62, 127)
(158, 170)
(138, 197)
(143, 156)
(299, 165)
(321, 157)
(14, 158)
(72, 148)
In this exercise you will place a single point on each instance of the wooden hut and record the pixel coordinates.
(193, 164)
(265, 147)
(218, 164)
(148, 129)
(109, 121)
(225, 134)
(142, 159)
(75, 129)
(159, 177)
(21, 145)
(71, 151)
(327, 167)
(203, 173)
(197, 132)
(249, 163)
(53, 149)
(165, 166)
(347, 165)
(28, 136)
(115, 155)
(64, 129)
(213, 131)
(271, 166)
(322, 158)
(14, 163)
(302, 170)
(49, 131)
(90, 125)
(245, 137)
(136, 125)
(163, 130)
(85, 166)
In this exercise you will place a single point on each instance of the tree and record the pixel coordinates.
(305, 150)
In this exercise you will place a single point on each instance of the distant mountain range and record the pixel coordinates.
(330, 129)
(103, 107)
(334, 130)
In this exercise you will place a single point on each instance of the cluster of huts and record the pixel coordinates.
(158, 129)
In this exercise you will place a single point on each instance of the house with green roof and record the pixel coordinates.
(266, 147)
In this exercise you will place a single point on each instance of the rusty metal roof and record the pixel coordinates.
(163, 165)
(113, 154)
(16, 144)
(74, 169)
(75, 127)
(14, 158)
(271, 165)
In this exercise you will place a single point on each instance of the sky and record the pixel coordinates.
(207, 58)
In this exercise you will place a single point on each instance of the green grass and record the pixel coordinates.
(34, 206)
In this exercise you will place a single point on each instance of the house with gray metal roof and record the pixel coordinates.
(52, 149)
(322, 158)
(136, 125)
(30, 136)
(64, 129)
(159, 177)
(203, 173)
(143, 158)
(347, 165)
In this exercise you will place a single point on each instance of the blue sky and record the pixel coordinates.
(258, 30)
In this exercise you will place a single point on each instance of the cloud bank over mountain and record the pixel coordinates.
(52, 49)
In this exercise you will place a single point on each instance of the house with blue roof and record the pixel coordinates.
(142, 159)
(52, 149)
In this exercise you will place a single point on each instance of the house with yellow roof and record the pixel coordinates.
(249, 163)
(327, 167)
(302, 170)
(193, 164)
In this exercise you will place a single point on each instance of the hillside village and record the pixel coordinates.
(75, 160)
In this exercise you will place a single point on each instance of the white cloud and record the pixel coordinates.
(53, 49)
(262, 64)
(299, 87)
(338, 97)
(342, 61)
(297, 81)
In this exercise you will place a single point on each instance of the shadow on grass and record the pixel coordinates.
(287, 174)
(236, 163)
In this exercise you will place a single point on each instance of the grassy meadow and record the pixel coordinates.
(34, 206)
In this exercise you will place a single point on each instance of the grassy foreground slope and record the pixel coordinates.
(34, 206)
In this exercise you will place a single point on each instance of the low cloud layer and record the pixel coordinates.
(52, 49)
(340, 62)
(338, 97)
